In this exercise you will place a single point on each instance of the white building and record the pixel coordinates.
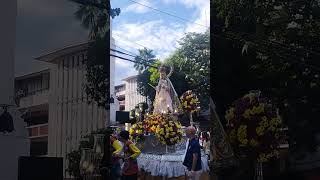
(33, 90)
(70, 115)
(120, 91)
(132, 96)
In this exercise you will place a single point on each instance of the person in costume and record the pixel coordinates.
(116, 147)
(131, 152)
(110, 162)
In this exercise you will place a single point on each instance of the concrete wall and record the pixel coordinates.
(113, 106)
(11, 148)
(8, 12)
(15, 144)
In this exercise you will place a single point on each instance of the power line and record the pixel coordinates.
(124, 53)
(131, 41)
(124, 49)
(126, 59)
(136, 57)
(186, 20)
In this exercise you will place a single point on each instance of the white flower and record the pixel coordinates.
(277, 7)
(298, 16)
(293, 25)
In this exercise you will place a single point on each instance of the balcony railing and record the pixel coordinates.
(37, 131)
(27, 93)
(35, 98)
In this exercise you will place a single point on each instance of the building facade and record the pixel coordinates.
(70, 114)
(132, 96)
(33, 92)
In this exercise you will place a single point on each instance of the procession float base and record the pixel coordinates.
(165, 163)
(147, 176)
(151, 145)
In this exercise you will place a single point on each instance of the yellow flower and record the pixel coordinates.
(232, 135)
(242, 134)
(253, 143)
(185, 104)
(260, 130)
(262, 158)
(230, 114)
(264, 123)
(244, 143)
(247, 113)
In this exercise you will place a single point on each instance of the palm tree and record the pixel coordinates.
(145, 58)
(95, 16)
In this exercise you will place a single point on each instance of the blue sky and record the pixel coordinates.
(154, 30)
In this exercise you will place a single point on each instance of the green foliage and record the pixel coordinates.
(97, 73)
(282, 41)
(95, 16)
(74, 156)
(155, 75)
(74, 164)
(192, 59)
(145, 58)
(191, 64)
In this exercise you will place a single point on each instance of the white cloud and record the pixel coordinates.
(137, 8)
(202, 14)
(155, 35)
(123, 64)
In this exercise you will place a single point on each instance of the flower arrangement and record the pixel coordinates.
(190, 102)
(253, 127)
(169, 132)
(137, 131)
(152, 121)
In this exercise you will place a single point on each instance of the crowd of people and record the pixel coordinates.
(125, 153)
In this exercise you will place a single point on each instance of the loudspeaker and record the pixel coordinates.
(40, 168)
(122, 117)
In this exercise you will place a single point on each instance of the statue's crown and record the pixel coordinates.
(162, 68)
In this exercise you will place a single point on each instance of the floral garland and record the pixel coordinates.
(169, 132)
(151, 122)
(137, 131)
(254, 127)
(190, 102)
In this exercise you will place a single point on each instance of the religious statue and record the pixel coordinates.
(166, 99)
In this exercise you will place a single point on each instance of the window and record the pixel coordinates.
(39, 146)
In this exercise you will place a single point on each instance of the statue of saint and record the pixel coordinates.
(166, 99)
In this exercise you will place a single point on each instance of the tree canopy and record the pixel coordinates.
(192, 59)
(272, 46)
(191, 68)
(95, 16)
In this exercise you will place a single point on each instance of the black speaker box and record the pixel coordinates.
(122, 117)
(40, 168)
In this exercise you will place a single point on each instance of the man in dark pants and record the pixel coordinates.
(192, 159)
